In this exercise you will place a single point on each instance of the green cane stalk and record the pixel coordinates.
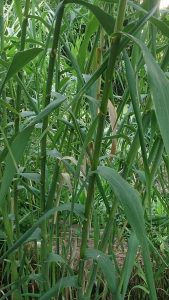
(7, 224)
(20, 74)
(52, 60)
(3, 56)
(18, 108)
(1, 26)
(97, 147)
(18, 104)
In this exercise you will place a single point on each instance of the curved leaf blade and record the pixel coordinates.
(20, 59)
(65, 282)
(78, 209)
(47, 110)
(159, 86)
(18, 8)
(129, 262)
(104, 19)
(129, 199)
(18, 147)
(131, 202)
(107, 268)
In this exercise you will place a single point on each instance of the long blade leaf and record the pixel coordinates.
(20, 59)
(131, 202)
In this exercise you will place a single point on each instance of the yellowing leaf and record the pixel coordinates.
(113, 119)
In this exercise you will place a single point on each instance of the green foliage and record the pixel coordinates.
(20, 59)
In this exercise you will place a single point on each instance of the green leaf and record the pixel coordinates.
(162, 26)
(129, 262)
(35, 236)
(18, 7)
(78, 209)
(129, 199)
(131, 202)
(17, 148)
(107, 268)
(9, 107)
(48, 26)
(104, 19)
(83, 50)
(135, 97)
(56, 258)
(31, 176)
(65, 282)
(74, 62)
(159, 86)
(48, 109)
(165, 60)
(140, 287)
(53, 257)
(20, 59)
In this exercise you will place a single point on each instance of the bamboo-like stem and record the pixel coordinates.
(52, 59)
(1, 26)
(152, 27)
(20, 75)
(7, 223)
(97, 147)
(120, 16)
(17, 121)
(2, 53)
(18, 106)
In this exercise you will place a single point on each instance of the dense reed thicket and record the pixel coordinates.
(84, 144)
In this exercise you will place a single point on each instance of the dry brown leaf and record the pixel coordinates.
(113, 119)
(66, 178)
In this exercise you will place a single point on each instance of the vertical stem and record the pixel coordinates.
(14, 275)
(102, 246)
(6, 221)
(52, 59)
(18, 106)
(22, 47)
(120, 16)
(2, 53)
(1, 26)
(97, 147)
(148, 5)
